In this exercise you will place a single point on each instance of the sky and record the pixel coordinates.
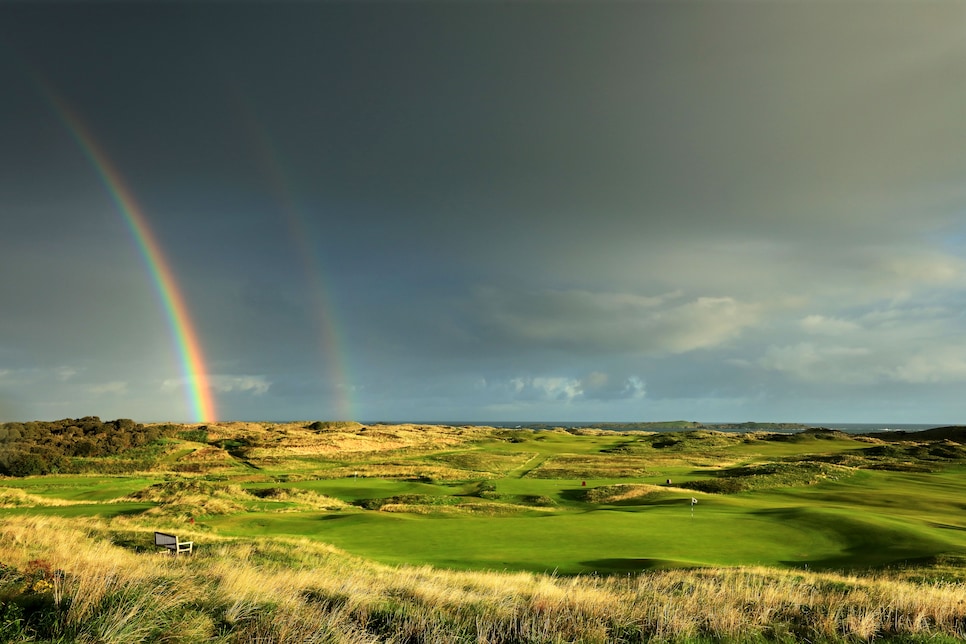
(483, 211)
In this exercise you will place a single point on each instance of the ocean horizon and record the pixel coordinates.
(851, 428)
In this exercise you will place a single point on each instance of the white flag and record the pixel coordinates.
(693, 500)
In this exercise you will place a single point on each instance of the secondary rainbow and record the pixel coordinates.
(200, 395)
(321, 293)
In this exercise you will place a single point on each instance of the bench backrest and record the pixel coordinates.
(162, 539)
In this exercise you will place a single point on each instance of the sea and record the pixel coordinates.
(724, 426)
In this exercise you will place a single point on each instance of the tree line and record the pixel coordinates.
(45, 447)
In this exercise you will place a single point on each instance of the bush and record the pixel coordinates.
(50, 444)
(198, 435)
(27, 465)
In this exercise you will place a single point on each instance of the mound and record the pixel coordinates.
(11, 497)
(192, 498)
(570, 466)
(302, 499)
(620, 492)
(464, 508)
(211, 455)
(697, 439)
(955, 433)
(770, 475)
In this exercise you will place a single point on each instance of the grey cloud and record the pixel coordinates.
(113, 387)
(593, 386)
(590, 322)
(598, 385)
(256, 385)
(908, 345)
(252, 384)
(89, 391)
(823, 325)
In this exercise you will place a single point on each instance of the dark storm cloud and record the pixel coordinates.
(462, 209)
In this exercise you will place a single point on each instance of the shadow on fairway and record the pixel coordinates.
(107, 510)
(680, 500)
(850, 562)
(631, 565)
(866, 542)
(578, 494)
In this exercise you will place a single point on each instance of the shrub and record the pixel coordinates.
(198, 435)
(27, 464)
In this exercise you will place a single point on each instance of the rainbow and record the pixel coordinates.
(331, 338)
(200, 395)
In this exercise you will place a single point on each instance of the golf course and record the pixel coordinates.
(587, 509)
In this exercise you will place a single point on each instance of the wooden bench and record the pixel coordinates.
(172, 543)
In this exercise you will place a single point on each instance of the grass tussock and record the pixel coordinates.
(191, 497)
(208, 455)
(761, 476)
(400, 470)
(479, 462)
(568, 466)
(264, 444)
(65, 581)
(621, 492)
(295, 499)
(430, 504)
(11, 497)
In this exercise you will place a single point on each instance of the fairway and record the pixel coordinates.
(600, 540)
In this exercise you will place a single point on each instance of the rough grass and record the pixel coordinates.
(759, 476)
(590, 467)
(197, 498)
(475, 462)
(65, 581)
(300, 498)
(452, 505)
(607, 494)
(17, 498)
(414, 469)
(191, 498)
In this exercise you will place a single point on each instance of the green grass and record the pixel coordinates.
(84, 510)
(80, 488)
(519, 501)
(743, 530)
(357, 489)
(600, 540)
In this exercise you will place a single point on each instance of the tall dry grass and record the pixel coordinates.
(64, 580)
